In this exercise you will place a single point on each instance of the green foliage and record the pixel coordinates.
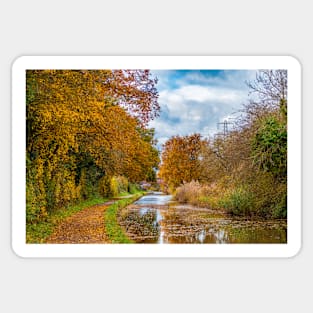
(269, 195)
(151, 175)
(35, 214)
(262, 197)
(209, 201)
(114, 187)
(269, 146)
(133, 188)
(36, 209)
(238, 201)
(280, 209)
(104, 186)
(122, 183)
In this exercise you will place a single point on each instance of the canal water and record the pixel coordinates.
(156, 218)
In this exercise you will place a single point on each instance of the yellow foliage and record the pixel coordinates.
(86, 124)
(180, 160)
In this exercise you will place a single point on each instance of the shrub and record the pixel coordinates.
(113, 187)
(269, 147)
(270, 196)
(35, 214)
(209, 201)
(35, 203)
(86, 186)
(133, 188)
(188, 192)
(201, 195)
(280, 210)
(122, 183)
(104, 186)
(238, 201)
(261, 195)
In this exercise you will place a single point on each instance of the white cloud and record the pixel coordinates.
(195, 103)
(207, 93)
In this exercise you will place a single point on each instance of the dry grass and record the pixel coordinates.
(205, 196)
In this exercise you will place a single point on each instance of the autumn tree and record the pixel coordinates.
(83, 127)
(181, 160)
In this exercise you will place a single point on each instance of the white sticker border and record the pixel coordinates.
(290, 249)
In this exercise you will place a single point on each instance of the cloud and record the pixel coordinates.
(196, 101)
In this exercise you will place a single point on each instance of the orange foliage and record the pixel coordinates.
(181, 160)
(83, 125)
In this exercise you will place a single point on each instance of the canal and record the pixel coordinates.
(157, 218)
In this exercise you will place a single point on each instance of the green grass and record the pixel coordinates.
(112, 228)
(238, 202)
(123, 194)
(39, 232)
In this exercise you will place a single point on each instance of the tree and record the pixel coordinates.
(270, 86)
(269, 139)
(84, 125)
(181, 160)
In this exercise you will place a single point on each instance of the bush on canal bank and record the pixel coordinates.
(260, 198)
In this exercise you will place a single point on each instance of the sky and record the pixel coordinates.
(195, 101)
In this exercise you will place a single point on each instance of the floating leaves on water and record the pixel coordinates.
(140, 226)
(185, 224)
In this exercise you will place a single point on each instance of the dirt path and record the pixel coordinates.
(85, 226)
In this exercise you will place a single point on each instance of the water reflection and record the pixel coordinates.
(157, 198)
(157, 219)
(201, 235)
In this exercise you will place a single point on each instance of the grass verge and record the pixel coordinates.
(39, 232)
(113, 230)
